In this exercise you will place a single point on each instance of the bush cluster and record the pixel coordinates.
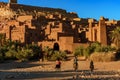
(14, 50)
(24, 54)
(58, 54)
(51, 54)
(104, 53)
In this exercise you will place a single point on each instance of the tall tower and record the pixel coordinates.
(12, 1)
(102, 33)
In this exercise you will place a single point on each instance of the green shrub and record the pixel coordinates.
(49, 53)
(79, 51)
(54, 55)
(87, 52)
(11, 54)
(104, 49)
(63, 55)
(95, 45)
(37, 51)
(92, 48)
(24, 54)
(98, 49)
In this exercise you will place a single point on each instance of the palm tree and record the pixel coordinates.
(115, 37)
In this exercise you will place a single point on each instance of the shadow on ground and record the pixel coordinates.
(61, 75)
(6, 74)
(16, 65)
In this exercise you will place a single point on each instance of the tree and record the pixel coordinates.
(79, 51)
(115, 37)
(2, 39)
(24, 54)
(37, 50)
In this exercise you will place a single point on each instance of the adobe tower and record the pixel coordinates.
(12, 1)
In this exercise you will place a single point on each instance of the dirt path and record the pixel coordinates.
(45, 70)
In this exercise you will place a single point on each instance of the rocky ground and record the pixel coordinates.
(36, 70)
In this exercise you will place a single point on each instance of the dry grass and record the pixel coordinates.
(103, 57)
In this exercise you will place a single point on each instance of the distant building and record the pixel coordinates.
(48, 26)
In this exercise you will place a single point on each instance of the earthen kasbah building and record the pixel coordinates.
(47, 26)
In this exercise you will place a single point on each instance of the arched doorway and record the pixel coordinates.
(56, 46)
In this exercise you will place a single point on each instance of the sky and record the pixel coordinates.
(84, 8)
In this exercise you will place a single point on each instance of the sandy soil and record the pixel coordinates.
(36, 70)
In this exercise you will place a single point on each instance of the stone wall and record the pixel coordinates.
(54, 25)
(34, 8)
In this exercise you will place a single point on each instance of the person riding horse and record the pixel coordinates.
(75, 64)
